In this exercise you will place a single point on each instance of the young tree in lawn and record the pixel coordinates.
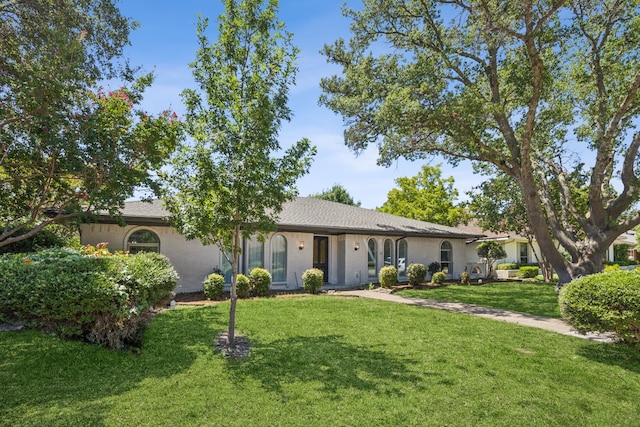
(531, 87)
(490, 251)
(337, 193)
(228, 185)
(68, 148)
(426, 197)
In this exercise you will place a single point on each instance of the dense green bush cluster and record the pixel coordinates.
(465, 279)
(243, 289)
(528, 272)
(105, 299)
(260, 282)
(434, 267)
(605, 302)
(312, 280)
(213, 286)
(388, 276)
(507, 266)
(438, 277)
(416, 273)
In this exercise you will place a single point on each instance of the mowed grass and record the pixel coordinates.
(322, 361)
(540, 299)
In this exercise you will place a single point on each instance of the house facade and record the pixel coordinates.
(350, 244)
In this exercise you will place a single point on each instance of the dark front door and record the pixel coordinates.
(321, 255)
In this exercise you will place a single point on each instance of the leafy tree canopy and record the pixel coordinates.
(228, 184)
(337, 193)
(533, 88)
(426, 197)
(68, 147)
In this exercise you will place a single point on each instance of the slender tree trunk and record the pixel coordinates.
(234, 297)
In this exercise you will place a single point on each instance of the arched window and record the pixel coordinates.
(143, 240)
(388, 252)
(278, 258)
(372, 263)
(402, 258)
(446, 257)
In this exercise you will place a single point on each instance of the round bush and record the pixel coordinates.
(528, 272)
(243, 290)
(388, 276)
(434, 267)
(465, 279)
(260, 282)
(416, 273)
(605, 302)
(438, 277)
(312, 280)
(213, 286)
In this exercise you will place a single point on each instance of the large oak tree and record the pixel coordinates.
(531, 87)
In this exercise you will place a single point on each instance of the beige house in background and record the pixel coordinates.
(350, 244)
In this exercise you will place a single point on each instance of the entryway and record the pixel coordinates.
(321, 255)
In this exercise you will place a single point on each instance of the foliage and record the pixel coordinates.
(337, 193)
(612, 267)
(465, 279)
(104, 299)
(507, 266)
(388, 276)
(426, 197)
(438, 277)
(605, 302)
(244, 288)
(213, 286)
(528, 272)
(434, 267)
(514, 85)
(260, 282)
(490, 251)
(44, 239)
(416, 273)
(621, 252)
(312, 280)
(227, 184)
(68, 148)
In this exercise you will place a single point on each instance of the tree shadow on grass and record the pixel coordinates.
(330, 361)
(41, 373)
(613, 354)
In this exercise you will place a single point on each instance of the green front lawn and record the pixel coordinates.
(533, 298)
(322, 361)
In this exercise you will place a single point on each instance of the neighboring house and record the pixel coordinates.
(517, 247)
(350, 244)
(627, 238)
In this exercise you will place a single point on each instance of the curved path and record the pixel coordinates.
(550, 324)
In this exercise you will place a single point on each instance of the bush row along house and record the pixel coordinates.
(349, 244)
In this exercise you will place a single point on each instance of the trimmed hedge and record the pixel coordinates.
(605, 302)
(528, 272)
(105, 300)
(260, 282)
(243, 289)
(507, 266)
(312, 280)
(388, 276)
(438, 277)
(416, 273)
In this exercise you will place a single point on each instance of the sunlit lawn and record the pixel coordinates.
(534, 298)
(322, 361)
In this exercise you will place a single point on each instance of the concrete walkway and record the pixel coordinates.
(550, 324)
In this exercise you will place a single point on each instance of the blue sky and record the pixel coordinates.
(166, 42)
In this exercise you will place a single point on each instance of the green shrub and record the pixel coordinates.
(507, 266)
(416, 273)
(465, 279)
(611, 267)
(49, 237)
(104, 300)
(605, 302)
(528, 272)
(312, 280)
(434, 267)
(260, 282)
(243, 290)
(213, 286)
(388, 276)
(438, 277)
